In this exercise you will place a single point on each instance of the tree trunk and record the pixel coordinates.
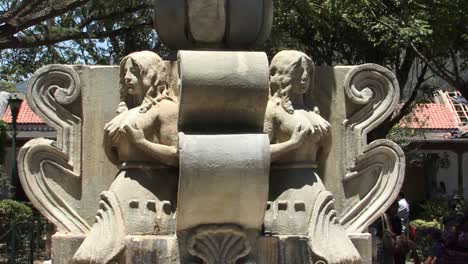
(462, 87)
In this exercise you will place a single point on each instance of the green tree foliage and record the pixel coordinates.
(34, 33)
(3, 139)
(7, 86)
(435, 30)
(431, 216)
(4, 181)
(416, 39)
(13, 212)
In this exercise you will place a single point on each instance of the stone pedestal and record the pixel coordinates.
(284, 250)
(363, 243)
(138, 249)
(64, 247)
(151, 249)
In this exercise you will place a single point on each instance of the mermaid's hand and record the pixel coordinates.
(134, 134)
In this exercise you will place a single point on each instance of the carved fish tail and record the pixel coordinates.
(106, 240)
(326, 233)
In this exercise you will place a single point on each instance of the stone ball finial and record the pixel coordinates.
(213, 24)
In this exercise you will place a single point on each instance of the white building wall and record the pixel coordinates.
(465, 174)
(447, 175)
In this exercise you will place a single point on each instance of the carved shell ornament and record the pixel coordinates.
(219, 244)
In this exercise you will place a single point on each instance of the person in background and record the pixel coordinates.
(455, 214)
(391, 229)
(438, 246)
(451, 246)
(396, 245)
(403, 212)
(441, 190)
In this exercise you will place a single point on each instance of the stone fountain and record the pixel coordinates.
(218, 157)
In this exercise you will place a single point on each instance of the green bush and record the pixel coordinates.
(423, 237)
(5, 187)
(432, 215)
(3, 139)
(437, 209)
(14, 213)
(423, 224)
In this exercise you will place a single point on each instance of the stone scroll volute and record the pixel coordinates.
(371, 173)
(51, 91)
(374, 170)
(53, 173)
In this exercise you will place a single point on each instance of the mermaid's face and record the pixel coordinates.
(132, 78)
(287, 78)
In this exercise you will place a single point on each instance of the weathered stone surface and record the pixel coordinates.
(64, 247)
(223, 91)
(53, 173)
(363, 243)
(151, 249)
(222, 106)
(142, 139)
(219, 243)
(268, 250)
(234, 24)
(138, 249)
(238, 162)
(285, 250)
(207, 20)
(300, 139)
(355, 99)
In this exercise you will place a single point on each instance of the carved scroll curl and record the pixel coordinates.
(219, 244)
(375, 92)
(375, 171)
(52, 94)
(50, 91)
(382, 166)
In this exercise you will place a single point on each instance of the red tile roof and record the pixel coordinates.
(431, 116)
(25, 115)
(425, 116)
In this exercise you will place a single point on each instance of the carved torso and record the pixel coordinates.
(282, 127)
(159, 125)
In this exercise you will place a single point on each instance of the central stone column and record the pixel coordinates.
(224, 154)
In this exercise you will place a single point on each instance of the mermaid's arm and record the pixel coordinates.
(167, 155)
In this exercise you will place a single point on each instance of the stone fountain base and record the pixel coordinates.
(165, 249)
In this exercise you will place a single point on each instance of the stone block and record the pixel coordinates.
(240, 163)
(223, 91)
(151, 249)
(64, 247)
(363, 243)
(201, 24)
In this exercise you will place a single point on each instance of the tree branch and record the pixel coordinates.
(27, 7)
(43, 11)
(39, 40)
(17, 8)
(128, 10)
(453, 56)
(408, 105)
(403, 70)
(434, 68)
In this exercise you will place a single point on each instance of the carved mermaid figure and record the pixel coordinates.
(299, 202)
(142, 140)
